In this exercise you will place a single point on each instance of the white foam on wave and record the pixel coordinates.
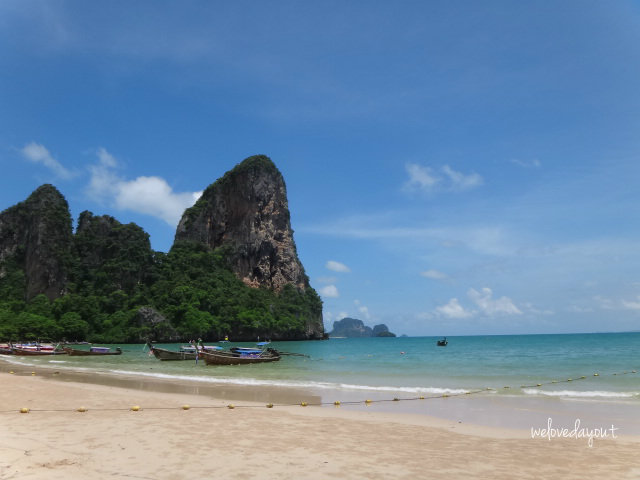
(295, 384)
(578, 394)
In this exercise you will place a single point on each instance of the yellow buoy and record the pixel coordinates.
(367, 401)
(33, 373)
(135, 408)
(396, 399)
(538, 384)
(444, 395)
(337, 403)
(506, 387)
(421, 397)
(569, 380)
(596, 375)
(303, 404)
(231, 406)
(186, 407)
(269, 405)
(24, 410)
(11, 372)
(82, 409)
(583, 376)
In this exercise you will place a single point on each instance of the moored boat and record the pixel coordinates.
(36, 351)
(186, 352)
(74, 352)
(239, 358)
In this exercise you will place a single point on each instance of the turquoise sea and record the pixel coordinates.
(410, 366)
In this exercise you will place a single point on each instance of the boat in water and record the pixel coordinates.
(185, 352)
(32, 349)
(443, 342)
(240, 356)
(75, 352)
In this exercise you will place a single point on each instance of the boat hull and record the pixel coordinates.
(85, 353)
(230, 358)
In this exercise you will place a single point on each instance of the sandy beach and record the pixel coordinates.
(162, 440)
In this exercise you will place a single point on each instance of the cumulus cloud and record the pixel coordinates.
(337, 267)
(434, 274)
(362, 309)
(148, 195)
(37, 153)
(329, 291)
(427, 179)
(483, 299)
(453, 309)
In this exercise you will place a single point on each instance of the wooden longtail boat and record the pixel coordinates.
(5, 350)
(185, 352)
(233, 358)
(26, 352)
(92, 351)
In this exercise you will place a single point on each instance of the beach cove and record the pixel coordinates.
(421, 425)
(162, 439)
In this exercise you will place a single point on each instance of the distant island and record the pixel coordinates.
(233, 270)
(354, 328)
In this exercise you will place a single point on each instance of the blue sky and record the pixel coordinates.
(453, 167)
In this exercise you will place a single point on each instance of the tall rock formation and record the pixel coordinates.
(107, 252)
(247, 212)
(35, 236)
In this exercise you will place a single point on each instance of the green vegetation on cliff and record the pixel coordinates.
(111, 273)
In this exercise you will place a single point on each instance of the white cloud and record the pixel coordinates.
(148, 195)
(535, 163)
(337, 266)
(632, 304)
(489, 306)
(37, 153)
(434, 274)
(362, 309)
(426, 179)
(326, 279)
(453, 309)
(329, 291)
(421, 178)
(460, 181)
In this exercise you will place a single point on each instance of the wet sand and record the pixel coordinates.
(162, 440)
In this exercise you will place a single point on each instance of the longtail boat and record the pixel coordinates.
(36, 351)
(239, 358)
(185, 353)
(5, 350)
(74, 352)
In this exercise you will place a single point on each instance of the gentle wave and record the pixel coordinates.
(296, 384)
(577, 394)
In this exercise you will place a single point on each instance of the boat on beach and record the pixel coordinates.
(240, 357)
(75, 352)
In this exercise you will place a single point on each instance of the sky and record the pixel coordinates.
(452, 167)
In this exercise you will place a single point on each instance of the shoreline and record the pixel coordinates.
(160, 440)
(485, 409)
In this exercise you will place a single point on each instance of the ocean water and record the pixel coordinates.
(410, 366)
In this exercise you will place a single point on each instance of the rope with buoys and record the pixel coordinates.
(337, 403)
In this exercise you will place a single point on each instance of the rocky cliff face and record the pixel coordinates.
(35, 236)
(354, 328)
(103, 248)
(247, 212)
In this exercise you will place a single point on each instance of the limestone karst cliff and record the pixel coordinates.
(233, 269)
(35, 238)
(247, 211)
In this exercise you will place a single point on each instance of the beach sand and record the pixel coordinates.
(210, 440)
